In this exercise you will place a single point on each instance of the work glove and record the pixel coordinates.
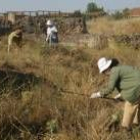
(117, 96)
(96, 95)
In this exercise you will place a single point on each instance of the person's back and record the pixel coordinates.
(127, 80)
(130, 76)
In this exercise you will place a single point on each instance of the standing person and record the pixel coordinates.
(126, 79)
(16, 37)
(52, 33)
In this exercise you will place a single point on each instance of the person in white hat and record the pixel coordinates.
(126, 79)
(51, 33)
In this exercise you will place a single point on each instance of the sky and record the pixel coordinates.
(64, 5)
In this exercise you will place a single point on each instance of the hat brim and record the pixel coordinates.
(106, 66)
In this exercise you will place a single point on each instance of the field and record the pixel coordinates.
(45, 91)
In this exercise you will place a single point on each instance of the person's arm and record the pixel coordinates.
(48, 37)
(16, 35)
(55, 29)
(48, 34)
(112, 83)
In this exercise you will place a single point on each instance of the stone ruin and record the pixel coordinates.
(131, 40)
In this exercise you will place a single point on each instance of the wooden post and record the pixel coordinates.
(43, 12)
(30, 13)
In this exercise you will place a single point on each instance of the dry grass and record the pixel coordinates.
(43, 111)
(109, 26)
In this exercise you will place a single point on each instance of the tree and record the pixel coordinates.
(77, 13)
(93, 11)
(92, 7)
(126, 12)
(117, 15)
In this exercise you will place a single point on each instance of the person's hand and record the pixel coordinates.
(46, 39)
(95, 95)
(117, 96)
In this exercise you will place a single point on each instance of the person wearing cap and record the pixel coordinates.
(52, 33)
(126, 79)
(15, 36)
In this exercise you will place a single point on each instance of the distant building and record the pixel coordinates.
(135, 12)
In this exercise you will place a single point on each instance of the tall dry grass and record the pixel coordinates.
(109, 26)
(45, 112)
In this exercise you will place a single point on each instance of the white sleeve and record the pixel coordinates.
(54, 29)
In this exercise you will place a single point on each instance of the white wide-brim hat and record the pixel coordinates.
(103, 64)
(49, 22)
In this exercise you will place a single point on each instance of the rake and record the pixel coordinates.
(88, 96)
